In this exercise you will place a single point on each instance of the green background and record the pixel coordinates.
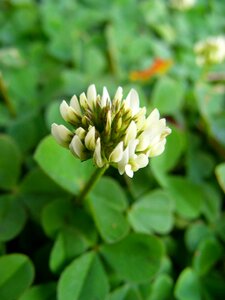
(158, 236)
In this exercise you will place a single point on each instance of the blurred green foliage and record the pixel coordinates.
(159, 236)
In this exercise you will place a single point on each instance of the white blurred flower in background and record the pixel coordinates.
(182, 4)
(116, 132)
(210, 50)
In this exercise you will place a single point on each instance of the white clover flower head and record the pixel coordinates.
(182, 4)
(210, 51)
(113, 132)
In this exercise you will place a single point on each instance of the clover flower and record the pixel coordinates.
(116, 132)
(210, 50)
(182, 4)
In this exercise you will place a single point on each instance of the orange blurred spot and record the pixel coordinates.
(159, 66)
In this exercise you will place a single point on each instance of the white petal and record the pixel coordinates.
(81, 133)
(119, 94)
(141, 160)
(166, 132)
(64, 107)
(123, 162)
(117, 153)
(131, 133)
(90, 139)
(132, 148)
(67, 112)
(157, 149)
(83, 101)
(132, 101)
(152, 118)
(153, 133)
(75, 105)
(77, 148)
(140, 119)
(138, 161)
(62, 135)
(129, 171)
(97, 154)
(143, 142)
(105, 97)
(91, 95)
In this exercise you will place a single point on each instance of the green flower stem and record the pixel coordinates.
(5, 97)
(91, 183)
(204, 73)
(112, 49)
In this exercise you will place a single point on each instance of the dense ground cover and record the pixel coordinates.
(157, 236)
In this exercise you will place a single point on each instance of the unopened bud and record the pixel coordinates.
(90, 139)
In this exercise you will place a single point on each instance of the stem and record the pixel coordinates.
(5, 97)
(111, 50)
(91, 183)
